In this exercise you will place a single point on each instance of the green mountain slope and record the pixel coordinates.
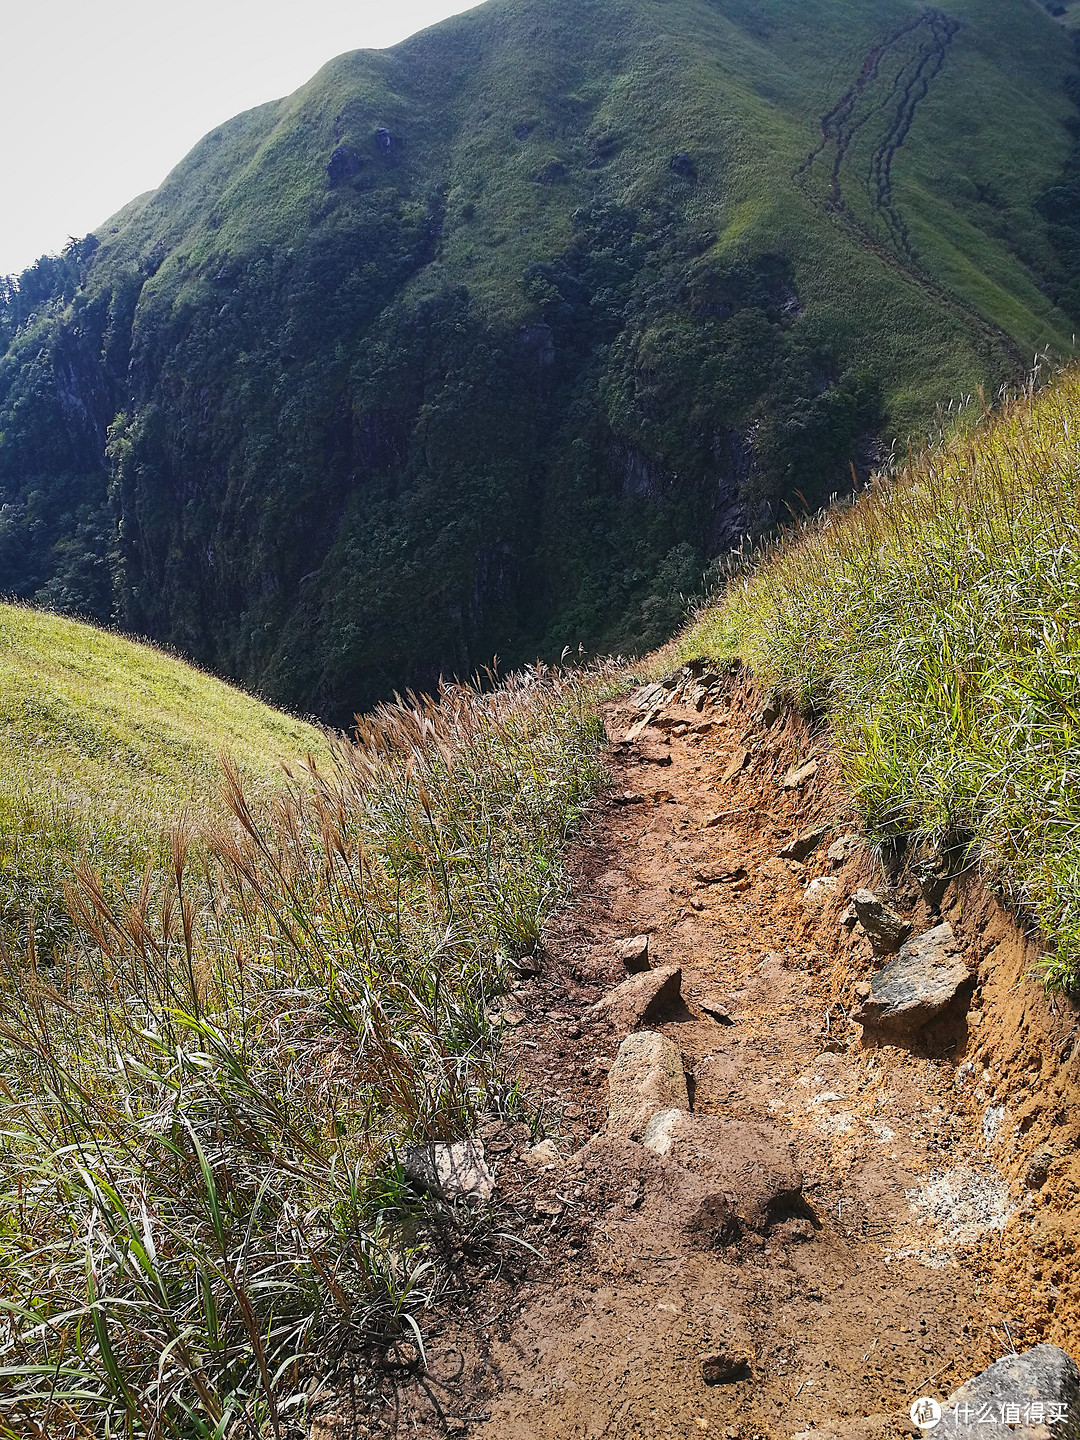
(103, 743)
(487, 343)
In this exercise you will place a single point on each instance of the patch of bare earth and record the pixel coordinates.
(936, 1222)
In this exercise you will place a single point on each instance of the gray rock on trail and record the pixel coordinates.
(751, 1164)
(648, 697)
(639, 998)
(885, 928)
(451, 1170)
(842, 849)
(804, 844)
(819, 892)
(646, 1078)
(1042, 1376)
(634, 953)
(736, 764)
(797, 777)
(539, 1157)
(917, 984)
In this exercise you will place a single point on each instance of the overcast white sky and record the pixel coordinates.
(99, 101)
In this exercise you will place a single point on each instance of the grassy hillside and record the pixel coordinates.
(935, 623)
(204, 1109)
(103, 743)
(489, 342)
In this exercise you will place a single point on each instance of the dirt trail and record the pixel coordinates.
(891, 1277)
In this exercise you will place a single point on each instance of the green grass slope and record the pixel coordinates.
(489, 342)
(103, 744)
(935, 624)
(204, 1111)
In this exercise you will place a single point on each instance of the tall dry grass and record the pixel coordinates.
(937, 621)
(203, 1112)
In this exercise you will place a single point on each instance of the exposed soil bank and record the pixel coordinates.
(936, 1225)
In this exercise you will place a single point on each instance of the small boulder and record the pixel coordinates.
(452, 1171)
(797, 777)
(805, 843)
(819, 892)
(885, 928)
(640, 997)
(646, 1079)
(1043, 1384)
(648, 697)
(735, 765)
(539, 1157)
(634, 953)
(722, 1367)
(917, 984)
(842, 849)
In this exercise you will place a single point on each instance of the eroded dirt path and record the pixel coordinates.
(854, 1314)
(889, 1279)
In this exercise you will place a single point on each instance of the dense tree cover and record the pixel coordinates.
(318, 484)
(388, 380)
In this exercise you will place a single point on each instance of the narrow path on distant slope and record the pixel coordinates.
(877, 111)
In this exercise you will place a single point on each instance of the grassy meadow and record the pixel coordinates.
(205, 1094)
(103, 742)
(937, 622)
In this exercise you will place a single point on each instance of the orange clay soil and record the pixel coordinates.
(938, 1222)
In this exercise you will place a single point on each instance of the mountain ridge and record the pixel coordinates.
(490, 342)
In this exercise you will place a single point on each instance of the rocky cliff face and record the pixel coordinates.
(485, 345)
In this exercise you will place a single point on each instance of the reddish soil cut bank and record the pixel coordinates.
(934, 1228)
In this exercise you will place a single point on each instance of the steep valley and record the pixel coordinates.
(491, 343)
